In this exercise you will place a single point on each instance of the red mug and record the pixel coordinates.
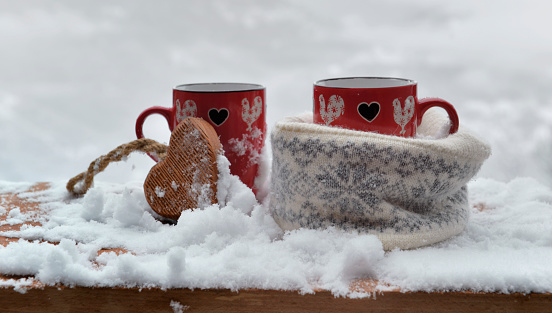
(235, 110)
(376, 104)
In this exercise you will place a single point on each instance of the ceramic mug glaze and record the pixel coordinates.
(378, 104)
(235, 110)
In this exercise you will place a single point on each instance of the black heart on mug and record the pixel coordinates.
(218, 117)
(369, 112)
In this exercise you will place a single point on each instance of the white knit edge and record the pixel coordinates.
(463, 144)
(390, 240)
(417, 240)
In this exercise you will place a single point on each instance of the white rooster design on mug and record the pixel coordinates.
(189, 109)
(251, 113)
(403, 115)
(335, 108)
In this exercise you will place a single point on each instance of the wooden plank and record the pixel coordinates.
(51, 299)
(40, 298)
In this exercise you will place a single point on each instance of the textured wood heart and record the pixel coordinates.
(218, 116)
(369, 112)
(187, 177)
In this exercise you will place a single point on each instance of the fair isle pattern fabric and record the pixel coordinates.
(408, 192)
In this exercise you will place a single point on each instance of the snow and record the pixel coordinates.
(236, 244)
(64, 106)
(178, 307)
(159, 191)
(505, 248)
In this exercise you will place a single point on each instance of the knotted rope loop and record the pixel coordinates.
(80, 184)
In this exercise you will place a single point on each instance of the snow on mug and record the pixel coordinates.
(377, 104)
(235, 110)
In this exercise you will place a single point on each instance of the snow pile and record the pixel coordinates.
(236, 244)
(507, 247)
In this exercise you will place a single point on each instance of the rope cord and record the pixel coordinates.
(80, 184)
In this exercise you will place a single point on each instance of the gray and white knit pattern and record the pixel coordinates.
(408, 192)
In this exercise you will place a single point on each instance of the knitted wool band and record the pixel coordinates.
(408, 192)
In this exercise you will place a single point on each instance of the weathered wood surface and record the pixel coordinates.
(40, 298)
(132, 300)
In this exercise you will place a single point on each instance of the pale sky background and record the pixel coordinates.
(74, 75)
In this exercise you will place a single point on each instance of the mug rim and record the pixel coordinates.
(326, 83)
(219, 87)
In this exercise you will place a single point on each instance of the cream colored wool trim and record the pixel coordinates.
(408, 192)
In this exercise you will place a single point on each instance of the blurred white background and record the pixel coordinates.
(74, 75)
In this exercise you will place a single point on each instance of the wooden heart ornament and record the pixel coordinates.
(187, 178)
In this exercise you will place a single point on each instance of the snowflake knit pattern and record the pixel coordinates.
(408, 192)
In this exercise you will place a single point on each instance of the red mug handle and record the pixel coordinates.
(168, 113)
(426, 103)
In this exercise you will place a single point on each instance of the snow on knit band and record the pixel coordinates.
(408, 192)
